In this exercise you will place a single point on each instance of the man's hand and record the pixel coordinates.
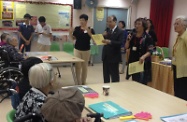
(27, 42)
(106, 41)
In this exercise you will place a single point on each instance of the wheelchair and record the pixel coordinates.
(10, 74)
(35, 117)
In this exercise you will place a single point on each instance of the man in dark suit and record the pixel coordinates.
(111, 54)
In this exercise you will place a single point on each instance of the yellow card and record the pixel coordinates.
(136, 67)
(97, 38)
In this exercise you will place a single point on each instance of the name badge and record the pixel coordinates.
(85, 31)
(134, 48)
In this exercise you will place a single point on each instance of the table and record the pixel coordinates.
(59, 59)
(138, 97)
(162, 78)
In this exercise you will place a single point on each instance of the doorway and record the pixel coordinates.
(100, 26)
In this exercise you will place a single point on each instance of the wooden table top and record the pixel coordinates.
(137, 98)
(60, 57)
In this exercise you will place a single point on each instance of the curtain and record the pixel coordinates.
(161, 12)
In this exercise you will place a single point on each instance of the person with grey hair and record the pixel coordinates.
(180, 58)
(10, 47)
(42, 79)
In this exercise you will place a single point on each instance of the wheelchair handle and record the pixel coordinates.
(9, 91)
(97, 116)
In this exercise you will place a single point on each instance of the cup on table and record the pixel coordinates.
(106, 90)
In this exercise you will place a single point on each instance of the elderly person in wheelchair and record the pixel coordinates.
(13, 54)
(42, 79)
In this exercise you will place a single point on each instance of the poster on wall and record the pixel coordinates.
(100, 13)
(64, 19)
(7, 10)
(7, 23)
(20, 22)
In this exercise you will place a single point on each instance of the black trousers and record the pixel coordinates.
(26, 47)
(110, 70)
(180, 85)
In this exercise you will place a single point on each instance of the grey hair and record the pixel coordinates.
(183, 20)
(41, 75)
(10, 39)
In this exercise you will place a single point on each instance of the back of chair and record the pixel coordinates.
(68, 47)
(94, 50)
(55, 46)
(11, 115)
(160, 51)
(165, 52)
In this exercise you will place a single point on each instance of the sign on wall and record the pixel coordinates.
(7, 10)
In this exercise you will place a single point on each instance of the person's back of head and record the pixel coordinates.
(66, 105)
(4, 36)
(28, 63)
(41, 75)
(41, 19)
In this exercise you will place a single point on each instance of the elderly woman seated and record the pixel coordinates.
(13, 53)
(42, 79)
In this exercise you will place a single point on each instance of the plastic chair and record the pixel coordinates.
(160, 51)
(11, 115)
(165, 52)
(94, 50)
(68, 47)
(55, 46)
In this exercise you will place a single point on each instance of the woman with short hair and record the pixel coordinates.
(180, 58)
(42, 79)
(82, 35)
(141, 48)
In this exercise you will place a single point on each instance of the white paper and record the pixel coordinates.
(176, 118)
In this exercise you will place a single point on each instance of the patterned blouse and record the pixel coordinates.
(31, 103)
(13, 53)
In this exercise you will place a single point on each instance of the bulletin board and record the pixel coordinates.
(58, 16)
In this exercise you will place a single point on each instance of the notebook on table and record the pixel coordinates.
(109, 109)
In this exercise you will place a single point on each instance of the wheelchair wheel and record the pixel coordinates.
(9, 73)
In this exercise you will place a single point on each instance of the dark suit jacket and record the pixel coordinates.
(112, 52)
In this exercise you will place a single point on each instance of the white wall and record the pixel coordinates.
(103, 3)
(179, 9)
(143, 8)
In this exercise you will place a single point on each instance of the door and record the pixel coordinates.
(100, 26)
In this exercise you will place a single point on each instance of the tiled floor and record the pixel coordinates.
(95, 75)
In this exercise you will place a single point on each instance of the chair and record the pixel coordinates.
(160, 51)
(165, 52)
(54, 46)
(11, 115)
(93, 51)
(68, 47)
